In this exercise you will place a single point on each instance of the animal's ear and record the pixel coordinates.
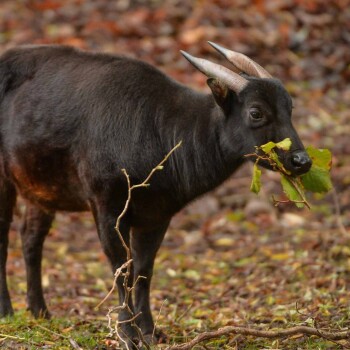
(222, 94)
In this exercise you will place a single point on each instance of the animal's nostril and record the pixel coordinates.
(301, 160)
(297, 160)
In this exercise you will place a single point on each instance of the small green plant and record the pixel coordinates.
(316, 180)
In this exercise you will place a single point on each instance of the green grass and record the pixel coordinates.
(24, 332)
(182, 322)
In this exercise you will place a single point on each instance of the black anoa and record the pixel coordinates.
(71, 120)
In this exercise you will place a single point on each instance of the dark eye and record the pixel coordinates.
(255, 114)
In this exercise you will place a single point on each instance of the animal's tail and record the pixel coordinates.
(16, 66)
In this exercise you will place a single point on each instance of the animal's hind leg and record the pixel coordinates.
(7, 202)
(35, 227)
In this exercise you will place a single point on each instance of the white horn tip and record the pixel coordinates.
(195, 61)
(219, 48)
(185, 54)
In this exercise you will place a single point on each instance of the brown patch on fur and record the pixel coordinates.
(26, 185)
(47, 196)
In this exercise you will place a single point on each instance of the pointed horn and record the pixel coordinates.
(231, 79)
(242, 62)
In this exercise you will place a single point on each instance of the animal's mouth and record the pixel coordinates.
(297, 162)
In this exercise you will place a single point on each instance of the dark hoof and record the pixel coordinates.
(161, 337)
(158, 337)
(41, 313)
(148, 339)
(6, 310)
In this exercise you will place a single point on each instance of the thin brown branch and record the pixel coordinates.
(230, 330)
(185, 312)
(158, 167)
(117, 273)
(74, 344)
(155, 323)
(133, 318)
(122, 338)
(299, 192)
(121, 215)
(4, 337)
(272, 162)
(7, 336)
(52, 332)
(125, 269)
(315, 324)
(136, 281)
(276, 202)
(338, 212)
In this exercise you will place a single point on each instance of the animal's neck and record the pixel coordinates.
(203, 162)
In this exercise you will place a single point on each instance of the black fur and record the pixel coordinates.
(71, 120)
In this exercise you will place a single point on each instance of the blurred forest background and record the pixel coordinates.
(230, 258)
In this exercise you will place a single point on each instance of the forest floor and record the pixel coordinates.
(231, 257)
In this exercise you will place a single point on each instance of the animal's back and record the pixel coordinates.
(64, 111)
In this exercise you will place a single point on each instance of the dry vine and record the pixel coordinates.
(229, 330)
(337, 213)
(125, 269)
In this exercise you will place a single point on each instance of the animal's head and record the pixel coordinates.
(255, 106)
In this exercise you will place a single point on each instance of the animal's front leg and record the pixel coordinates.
(105, 216)
(145, 244)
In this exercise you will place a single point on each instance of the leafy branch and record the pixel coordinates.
(316, 180)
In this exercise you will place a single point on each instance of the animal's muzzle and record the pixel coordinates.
(300, 162)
